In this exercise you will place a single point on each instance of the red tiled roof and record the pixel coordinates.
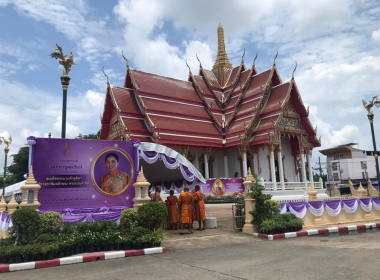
(164, 86)
(209, 75)
(277, 95)
(175, 108)
(233, 75)
(181, 116)
(126, 100)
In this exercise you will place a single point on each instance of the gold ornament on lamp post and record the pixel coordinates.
(67, 63)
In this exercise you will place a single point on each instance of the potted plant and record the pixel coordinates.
(126, 241)
(157, 236)
(267, 226)
(27, 252)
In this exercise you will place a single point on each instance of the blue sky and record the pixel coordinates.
(335, 43)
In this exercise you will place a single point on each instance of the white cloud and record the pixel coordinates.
(376, 35)
(351, 111)
(21, 116)
(4, 2)
(71, 130)
(32, 67)
(96, 99)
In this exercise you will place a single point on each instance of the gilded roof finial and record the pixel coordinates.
(274, 61)
(242, 58)
(200, 63)
(188, 67)
(294, 70)
(255, 59)
(108, 81)
(125, 59)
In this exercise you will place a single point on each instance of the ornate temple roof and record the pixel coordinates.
(223, 107)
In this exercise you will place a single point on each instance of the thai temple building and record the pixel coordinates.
(224, 120)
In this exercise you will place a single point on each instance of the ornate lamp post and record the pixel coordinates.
(65, 80)
(6, 151)
(370, 117)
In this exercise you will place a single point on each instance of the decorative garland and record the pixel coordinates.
(333, 207)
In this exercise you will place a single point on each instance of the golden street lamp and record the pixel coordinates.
(375, 101)
(67, 63)
(6, 151)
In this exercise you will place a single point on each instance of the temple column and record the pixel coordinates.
(272, 166)
(225, 157)
(255, 164)
(196, 159)
(303, 172)
(311, 179)
(243, 154)
(206, 155)
(281, 170)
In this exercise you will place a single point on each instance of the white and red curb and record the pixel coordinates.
(343, 229)
(80, 259)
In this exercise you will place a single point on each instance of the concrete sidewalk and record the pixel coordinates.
(224, 234)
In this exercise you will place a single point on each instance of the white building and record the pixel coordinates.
(347, 162)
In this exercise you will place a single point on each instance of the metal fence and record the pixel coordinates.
(238, 215)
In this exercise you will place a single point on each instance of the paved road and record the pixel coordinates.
(343, 257)
(227, 254)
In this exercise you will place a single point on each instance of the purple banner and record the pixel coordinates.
(223, 187)
(84, 173)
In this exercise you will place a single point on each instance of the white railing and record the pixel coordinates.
(292, 200)
(269, 186)
(337, 198)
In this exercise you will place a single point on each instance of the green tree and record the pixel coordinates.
(88, 136)
(19, 167)
(324, 178)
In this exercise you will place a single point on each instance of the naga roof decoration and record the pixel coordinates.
(223, 107)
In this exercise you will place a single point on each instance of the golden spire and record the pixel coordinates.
(222, 67)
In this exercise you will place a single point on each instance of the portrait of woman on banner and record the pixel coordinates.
(114, 181)
(218, 188)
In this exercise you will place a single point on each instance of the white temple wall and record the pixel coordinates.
(263, 159)
(290, 170)
(216, 154)
(233, 163)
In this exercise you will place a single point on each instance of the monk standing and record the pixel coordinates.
(200, 210)
(156, 196)
(172, 203)
(185, 200)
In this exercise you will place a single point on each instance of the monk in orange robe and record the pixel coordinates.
(172, 203)
(156, 196)
(200, 210)
(185, 200)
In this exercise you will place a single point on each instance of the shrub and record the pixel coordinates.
(47, 238)
(152, 214)
(138, 232)
(272, 206)
(51, 222)
(26, 224)
(261, 211)
(108, 226)
(82, 228)
(68, 229)
(267, 225)
(128, 219)
(157, 235)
